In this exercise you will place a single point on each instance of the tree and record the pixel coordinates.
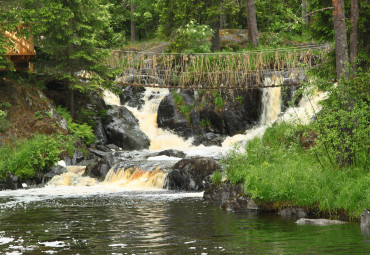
(177, 13)
(70, 35)
(353, 34)
(133, 23)
(339, 20)
(252, 23)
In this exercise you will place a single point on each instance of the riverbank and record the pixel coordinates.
(276, 171)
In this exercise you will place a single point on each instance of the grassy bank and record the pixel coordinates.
(276, 169)
(28, 157)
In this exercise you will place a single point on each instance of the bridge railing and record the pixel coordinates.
(213, 71)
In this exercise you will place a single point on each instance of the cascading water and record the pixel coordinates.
(137, 178)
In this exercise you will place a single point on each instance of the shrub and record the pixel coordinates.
(276, 169)
(218, 100)
(28, 157)
(82, 131)
(4, 123)
(216, 177)
(193, 38)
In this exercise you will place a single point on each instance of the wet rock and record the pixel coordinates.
(191, 174)
(171, 153)
(54, 171)
(209, 139)
(78, 156)
(103, 148)
(98, 153)
(133, 96)
(113, 147)
(365, 220)
(319, 222)
(99, 132)
(230, 197)
(122, 130)
(12, 182)
(169, 118)
(292, 212)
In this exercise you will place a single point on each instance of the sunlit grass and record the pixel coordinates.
(277, 169)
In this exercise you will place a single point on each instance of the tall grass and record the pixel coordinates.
(277, 169)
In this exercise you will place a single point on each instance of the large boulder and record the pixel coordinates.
(169, 118)
(133, 96)
(12, 182)
(365, 221)
(122, 129)
(192, 174)
(207, 115)
(230, 197)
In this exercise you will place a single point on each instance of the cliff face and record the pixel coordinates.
(26, 111)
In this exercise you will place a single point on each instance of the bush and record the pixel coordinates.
(193, 38)
(343, 125)
(276, 169)
(28, 157)
(4, 123)
(82, 131)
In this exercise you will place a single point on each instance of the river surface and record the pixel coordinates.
(96, 221)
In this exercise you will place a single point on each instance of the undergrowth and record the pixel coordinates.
(277, 169)
(28, 157)
(82, 131)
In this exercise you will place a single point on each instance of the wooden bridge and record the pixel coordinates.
(22, 50)
(216, 71)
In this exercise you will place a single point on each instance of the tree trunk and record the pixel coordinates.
(216, 36)
(353, 34)
(304, 12)
(252, 23)
(133, 23)
(341, 54)
(72, 102)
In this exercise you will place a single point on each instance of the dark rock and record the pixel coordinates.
(133, 96)
(209, 139)
(99, 131)
(288, 97)
(103, 148)
(122, 130)
(231, 197)
(78, 156)
(171, 153)
(292, 212)
(54, 171)
(113, 147)
(12, 182)
(95, 168)
(97, 153)
(192, 174)
(365, 219)
(169, 118)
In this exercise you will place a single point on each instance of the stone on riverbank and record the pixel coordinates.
(192, 174)
(230, 197)
(365, 221)
(319, 222)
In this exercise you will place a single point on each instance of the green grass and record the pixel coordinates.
(26, 158)
(275, 169)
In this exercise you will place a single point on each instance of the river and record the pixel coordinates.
(103, 221)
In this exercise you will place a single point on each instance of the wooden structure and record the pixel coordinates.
(22, 50)
(216, 71)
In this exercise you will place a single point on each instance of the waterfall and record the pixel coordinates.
(160, 139)
(137, 179)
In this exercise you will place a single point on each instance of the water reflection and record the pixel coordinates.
(161, 223)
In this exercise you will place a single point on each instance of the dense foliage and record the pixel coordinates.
(26, 158)
(81, 131)
(278, 170)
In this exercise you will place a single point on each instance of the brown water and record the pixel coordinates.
(82, 221)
